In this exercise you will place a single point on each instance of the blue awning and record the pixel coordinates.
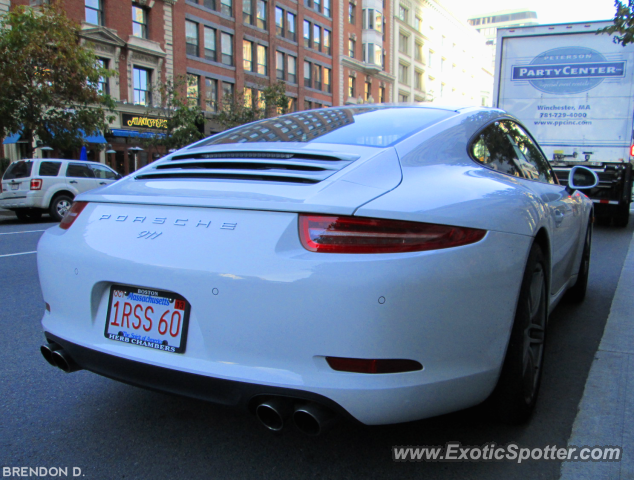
(120, 132)
(12, 138)
(99, 138)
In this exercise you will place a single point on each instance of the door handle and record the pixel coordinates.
(102, 183)
(73, 181)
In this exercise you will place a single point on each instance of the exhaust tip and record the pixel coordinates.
(273, 413)
(313, 419)
(64, 362)
(47, 352)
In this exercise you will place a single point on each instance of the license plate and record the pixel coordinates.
(14, 186)
(148, 318)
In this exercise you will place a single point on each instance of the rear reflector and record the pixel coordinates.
(72, 215)
(328, 234)
(36, 184)
(362, 365)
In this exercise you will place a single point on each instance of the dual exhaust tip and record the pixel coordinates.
(310, 418)
(58, 357)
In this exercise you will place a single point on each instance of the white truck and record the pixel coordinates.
(574, 91)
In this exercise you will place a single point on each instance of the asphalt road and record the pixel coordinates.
(110, 430)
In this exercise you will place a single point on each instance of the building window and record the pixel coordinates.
(351, 13)
(317, 37)
(261, 14)
(211, 95)
(247, 55)
(430, 59)
(370, 19)
(317, 77)
(139, 22)
(279, 65)
(381, 94)
(418, 52)
(227, 93)
(262, 63)
(279, 21)
(102, 85)
(418, 23)
(368, 91)
(327, 8)
(442, 64)
(94, 12)
(327, 41)
(377, 55)
(307, 75)
(292, 104)
(418, 80)
(210, 44)
(317, 5)
(306, 34)
(402, 97)
(402, 43)
(141, 85)
(351, 86)
(351, 47)
(191, 38)
(378, 21)
(292, 69)
(210, 4)
(290, 26)
(247, 97)
(193, 90)
(226, 45)
(403, 74)
(247, 12)
(226, 7)
(403, 13)
(327, 75)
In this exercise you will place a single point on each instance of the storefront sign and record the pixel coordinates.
(141, 121)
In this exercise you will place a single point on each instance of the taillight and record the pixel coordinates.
(72, 214)
(330, 234)
(36, 184)
(362, 365)
(632, 151)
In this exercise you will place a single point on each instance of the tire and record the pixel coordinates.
(622, 218)
(514, 397)
(577, 293)
(21, 214)
(59, 206)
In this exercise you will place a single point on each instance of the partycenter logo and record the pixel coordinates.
(568, 70)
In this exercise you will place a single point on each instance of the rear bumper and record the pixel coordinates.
(210, 389)
(30, 199)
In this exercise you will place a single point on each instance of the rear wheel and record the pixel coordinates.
(59, 206)
(578, 292)
(515, 395)
(622, 217)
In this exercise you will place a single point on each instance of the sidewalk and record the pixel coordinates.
(606, 411)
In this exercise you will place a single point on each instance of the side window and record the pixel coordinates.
(79, 170)
(539, 166)
(493, 149)
(49, 169)
(103, 172)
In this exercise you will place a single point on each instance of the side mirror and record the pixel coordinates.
(581, 178)
(118, 176)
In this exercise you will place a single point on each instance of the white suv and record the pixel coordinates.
(35, 186)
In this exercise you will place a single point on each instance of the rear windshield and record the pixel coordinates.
(368, 126)
(49, 169)
(19, 169)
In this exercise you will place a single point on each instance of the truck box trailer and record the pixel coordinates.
(573, 89)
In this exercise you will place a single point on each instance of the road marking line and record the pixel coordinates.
(14, 254)
(25, 231)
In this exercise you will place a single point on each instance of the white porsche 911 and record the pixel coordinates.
(385, 263)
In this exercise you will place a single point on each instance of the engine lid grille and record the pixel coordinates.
(294, 167)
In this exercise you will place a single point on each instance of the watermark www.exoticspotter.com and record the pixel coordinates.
(511, 452)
